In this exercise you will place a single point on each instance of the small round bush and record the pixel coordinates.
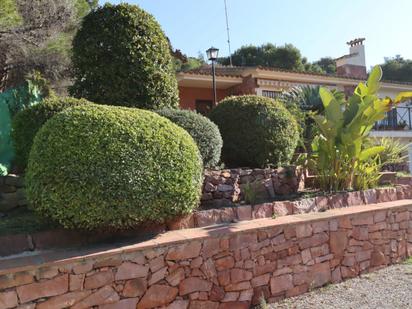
(98, 167)
(257, 131)
(27, 122)
(122, 57)
(205, 133)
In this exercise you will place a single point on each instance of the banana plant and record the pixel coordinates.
(338, 149)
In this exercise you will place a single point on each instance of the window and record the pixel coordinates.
(204, 106)
(271, 94)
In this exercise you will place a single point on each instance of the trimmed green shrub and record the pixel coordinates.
(205, 133)
(112, 167)
(28, 121)
(257, 131)
(122, 57)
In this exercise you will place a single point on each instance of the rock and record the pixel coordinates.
(56, 286)
(186, 222)
(377, 258)
(76, 282)
(63, 301)
(104, 295)
(156, 263)
(224, 188)
(244, 212)
(17, 279)
(176, 277)
(207, 217)
(281, 284)
(235, 305)
(8, 300)
(185, 251)
(83, 268)
(262, 211)
(282, 208)
(198, 304)
(157, 276)
(369, 196)
(194, 284)
(226, 262)
(240, 241)
(238, 275)
(260, 280)
(98, 280)
(303, 230)
(338, 242)
(304, 206)
(355, 198)
(129, 303)
(209, 269)
(179, 304)
(135, 287)
(217, 293)
(156, 296)
(227, 214)
(130, 270)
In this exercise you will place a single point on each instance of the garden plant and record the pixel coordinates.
(96, 166)
(122, 57)
(256, 131)
(340, 156)
(205, 133)
(28, 121)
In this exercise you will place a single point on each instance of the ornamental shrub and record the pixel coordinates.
(122, 57)
(112, 167)
(28, 121)
(205, 133)
(257, 131)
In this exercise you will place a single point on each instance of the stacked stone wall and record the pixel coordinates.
(230, 266)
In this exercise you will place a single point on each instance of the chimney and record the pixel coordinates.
(353, 65)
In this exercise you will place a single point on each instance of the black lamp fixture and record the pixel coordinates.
(212, 54)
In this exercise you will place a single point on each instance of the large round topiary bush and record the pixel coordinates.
(103, 166)
(122, 57)
(27, 122)
(205, 133)
(257, 131)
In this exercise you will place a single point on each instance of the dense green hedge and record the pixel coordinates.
(27, 122)
(103, 166)
(257, 131)
(122, 57)
(205, 133)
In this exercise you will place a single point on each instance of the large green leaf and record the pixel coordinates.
(373, 80)
(370, 152)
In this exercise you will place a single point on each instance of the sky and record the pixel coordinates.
(318, 28)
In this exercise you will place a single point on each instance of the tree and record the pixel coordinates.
(327, 64)
(122, 57)
(36, 35)
(284, 57)
(397, 69)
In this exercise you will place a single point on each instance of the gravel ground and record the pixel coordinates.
(389, 288)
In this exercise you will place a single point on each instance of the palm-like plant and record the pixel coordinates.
(339, 154)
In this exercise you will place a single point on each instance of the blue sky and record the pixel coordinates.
(317, 27)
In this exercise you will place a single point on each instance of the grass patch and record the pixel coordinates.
(23, 220)
(408, 261)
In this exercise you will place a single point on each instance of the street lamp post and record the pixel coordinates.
(212, 54)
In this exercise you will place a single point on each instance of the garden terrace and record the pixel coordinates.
(226, 266)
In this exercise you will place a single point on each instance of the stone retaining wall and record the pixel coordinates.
(229, 187)
(229, 266)
(11, 192)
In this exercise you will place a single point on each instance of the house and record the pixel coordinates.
(195, 88)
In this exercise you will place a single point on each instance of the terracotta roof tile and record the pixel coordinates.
(236, 71)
